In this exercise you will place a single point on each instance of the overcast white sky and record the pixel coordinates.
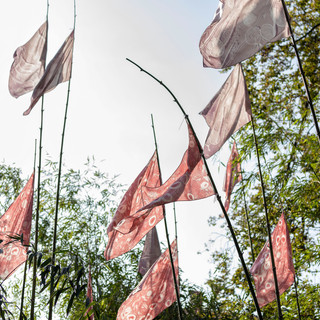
(111, 100)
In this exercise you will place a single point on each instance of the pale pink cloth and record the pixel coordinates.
(227, 112)
(240, 29)
(233, 174)
(57, 71)
(155, 292)
(262, 267)
(151, 251)
(16, 221)
(190, 181)
(28, 65)
(89, 296)
(127, 227)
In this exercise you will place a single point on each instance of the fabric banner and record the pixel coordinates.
(155, 292)
(28, 65)
(233, 174)
(151, 251)
(16, 221)
(190, 181)
(57, 71)
(262, 268)
(128, 227)
(227, 112)
(240, 29)
(89, 296)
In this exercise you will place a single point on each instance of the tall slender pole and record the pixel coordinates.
(166, 230)
(310, 103)
(54, 242)
(34, 274)
(297, 297)
(268, 224)
(175, 221)
(216, 192)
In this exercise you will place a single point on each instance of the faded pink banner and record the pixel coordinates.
(28, 65)
(89, 296)
(227, 112)
(128, 227)
(155, 292)
(233, 174)
(57, 71)
(14, 222)
(240, 29)
(262, 268)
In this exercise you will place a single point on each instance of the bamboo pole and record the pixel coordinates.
(54, 242)
(216, 192)
(166, 230)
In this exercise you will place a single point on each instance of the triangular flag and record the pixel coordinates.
(16, 222)
(151, 251)
(227, 112)
(127, 227)
(155, 292)
(89, 297)
(190, 181)
(57, 71)
(240, 29)
(28, 65)
(262, 268)
(233, 174)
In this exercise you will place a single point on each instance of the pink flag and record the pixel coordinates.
(240, 29)
(227, 112)
(89, 296)
(16, 221)
(190, 181)
(155, 292)
(233, 174)
(151, 251)
(262, 267)
(28, 65)
(128, 227)
(57, 71)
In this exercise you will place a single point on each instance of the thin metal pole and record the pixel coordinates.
(268, 224)
(34, 275)
(166, 229)
(297, 297)
(216, 192)
(310, 103)
(54, 242)
(175, 221)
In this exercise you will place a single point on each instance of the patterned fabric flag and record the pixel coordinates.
(155, 292)
(262, 267)
(128, 227)
(16, 222)
(240, 29)
(151, 251)
(190, 181)
(233, 174)
(57, 71)
(28, 65)
(227, 112)
(89, 296)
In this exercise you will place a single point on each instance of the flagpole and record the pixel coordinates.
(297, 297)
(34, 274)
(166, 229)
(175, 221)
(54, 242)
(310, 103)
(216, 192)
(268, 224)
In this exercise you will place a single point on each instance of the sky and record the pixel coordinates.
(111, 101)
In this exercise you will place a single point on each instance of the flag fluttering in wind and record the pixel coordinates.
(190, 181)
(227, 112)
(151, 251)
(89, 296)
(262, 268)
(128, 227)
(233, 174)
(155, 292)
(28, 65)
(240, 29)
(57, 71)
(16, 222)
